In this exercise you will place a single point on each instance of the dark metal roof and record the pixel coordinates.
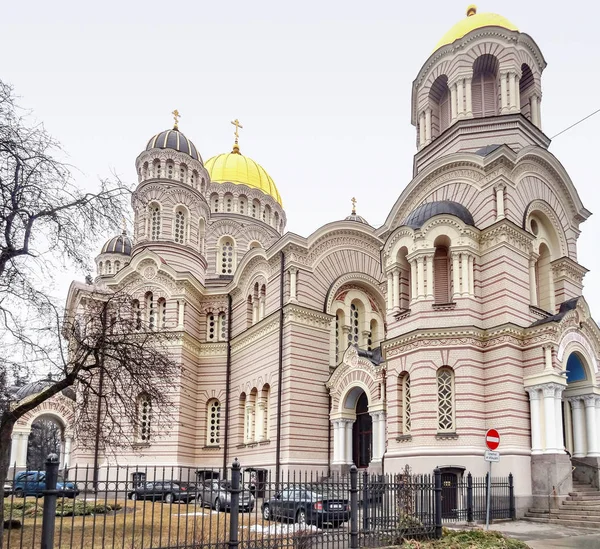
(417, 218)
(374, 356)
(564, 308)
(35, 387)
(173, 139)
(357, 218)
(118, 245)
(484, 151)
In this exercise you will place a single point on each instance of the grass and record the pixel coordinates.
(468, 539)
(20, 509)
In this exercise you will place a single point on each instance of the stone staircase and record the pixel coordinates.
(581, 508)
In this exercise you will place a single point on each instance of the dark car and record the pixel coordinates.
(307, 507)
(33, 483)
(167, 491)
(217, 494)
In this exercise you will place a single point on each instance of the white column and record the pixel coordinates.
(382, 439)
(14, 449)
(180, 314)
(22, 452)
(430, 276)
(597, 416)
(348, 446)
(376, 456)
(465, 273)
(293, 286)
(532, 282)
(590, 424)
(512, 91)
(503, 94)
(413, 280)
(469, 98)
(67, 455)
(499, 202)
(578, 427)
(472, 275)
(336, 442)
(455, 275)
(533, 107)
(427, 126)
(536, 427)
(390, 297)
(453, 102)
(421, 129)
(396, 288)
(549, 419)
(460, 110)
(558, 419)
(420, 277)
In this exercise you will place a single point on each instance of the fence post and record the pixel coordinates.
(365, 500)
(511, 495)
(437, 478)
(235, 504)
(49, 512)
(353, 507)
(469, 498)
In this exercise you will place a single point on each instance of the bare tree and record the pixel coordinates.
(44, 439)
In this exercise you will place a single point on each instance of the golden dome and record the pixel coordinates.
(474, 21)
(234, 167)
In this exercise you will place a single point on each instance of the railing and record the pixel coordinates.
(133, 507)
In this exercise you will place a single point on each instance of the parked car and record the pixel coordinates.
(7, 488)
(307, 507)
(33, 483)
(217, 494)
(167, 491)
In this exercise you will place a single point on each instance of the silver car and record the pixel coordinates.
(217, 495)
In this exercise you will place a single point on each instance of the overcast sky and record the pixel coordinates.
(322, 89)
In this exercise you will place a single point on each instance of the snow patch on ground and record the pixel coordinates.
(281, 529)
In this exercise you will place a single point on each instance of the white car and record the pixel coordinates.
(7, 489)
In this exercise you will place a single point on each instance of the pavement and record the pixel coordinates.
(548, 536)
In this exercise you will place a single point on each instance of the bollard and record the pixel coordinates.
(235, 504)
(469, 498)
(49, 511)
(437, 476)
(353, 507)
(511, 495)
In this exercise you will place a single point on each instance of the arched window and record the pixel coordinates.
(194, 178)
(213, 422)
(242, 204)
(228, 202)
(576, 371)
(214, 202)
(117, 266)
(156, 169)
(144, 414)
(265, 416)
(145, 171)
(211, 327)
(404, 279)
(170, 169)
(543, 279)
(267, 214)
(484, 87)
(439, 99)
(249, 311)
(154, 212)
(222, 326)
(183, 173)
(150, 311)
(255, 208)
(227, 255)
(242, 419)
(162, 312)
(100, 268)
(354, 335)
(445, 399)
(441, 269)
(276, 220)
(180, 226)
(108, 266)
(137, 314)
(254, 244)
(250, 417)
(526, 88)
(201, 234)
(339, 336)
(406, 408)
(202, 185)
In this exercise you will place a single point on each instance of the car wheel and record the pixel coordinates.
(19, 493)
(133, 496)
(301, 517)
(169, 498)
(267, 512)
(217, 505)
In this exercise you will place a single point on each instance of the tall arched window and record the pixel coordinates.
(354, 335)
(267, 214)
(194, 178)
(264, 403)
(170, 169)
(108, 267)
(255, 208)
(211, 327)
(373, 338)
(154, 212)
(156, 169)
(544, 282)
(404, 279)
(249, 311)
(441, 268)
(276, 220)
(100, 269)
(137, 314)
(150, 311)
(228, 199)
(213, 423)
(222, 326)
(439, 99)
(162, 312)
(406, 401)
(117, 266)
(144, 414)
(339, 336)
(242, 418)
(484, 87)
(227, 255)
(242, 204)
(183, 173)
(445, 399)
(214, 202)
(526, 88)
(180, 226)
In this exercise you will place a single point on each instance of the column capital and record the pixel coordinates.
(548, 390)
(534, 392)
(589, 401)
(500, 186)
(576, 403)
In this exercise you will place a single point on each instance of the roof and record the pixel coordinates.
(418, 217)
(565, 307)
(35, 387)
(120, 244)
(173, 139)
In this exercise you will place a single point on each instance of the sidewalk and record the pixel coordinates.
(542, 536)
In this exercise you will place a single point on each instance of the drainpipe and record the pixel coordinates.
(280, 375)
(329, 439)
(227, 390)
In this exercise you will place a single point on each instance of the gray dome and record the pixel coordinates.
(173, 139)
(118, 245)
(417, 218)
(35, 387)
(357, 218)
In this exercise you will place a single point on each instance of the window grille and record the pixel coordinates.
(145, 418)
(445, 400)
(406, 405)
(179, 227)
(227, 256)
(154, 222)
(213, 422)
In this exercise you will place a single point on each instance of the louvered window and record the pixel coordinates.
(441, 282)
(445, 110)
(484, 95)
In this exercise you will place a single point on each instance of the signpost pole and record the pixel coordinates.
(489, 493)
(492, 441)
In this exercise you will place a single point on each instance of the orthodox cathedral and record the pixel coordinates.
(378, 346)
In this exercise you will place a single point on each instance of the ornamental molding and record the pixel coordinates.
(257, 266)
(59, 405)
(544, 207)
(223, 227)
(307, 317)
(265, 327)
(505, 233)
(564, 268)
(244, 225)
(250, 193)
(176, 157)
(575, 336)
(395, 236)
(349, 278)
(345, 239)
(170, 192)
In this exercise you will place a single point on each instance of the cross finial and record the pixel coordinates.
(237, 125)
(124, 221)
(353, 205)
(176, 116)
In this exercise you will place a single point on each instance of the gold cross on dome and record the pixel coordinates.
(353, 205)
(237, 125)
(176, 116)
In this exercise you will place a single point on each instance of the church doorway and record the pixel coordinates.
(362, 433)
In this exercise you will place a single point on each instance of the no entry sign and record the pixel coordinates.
(492, 439)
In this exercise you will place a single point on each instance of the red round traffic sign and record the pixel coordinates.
(492, 439)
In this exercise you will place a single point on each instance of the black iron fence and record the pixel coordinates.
(134, 508)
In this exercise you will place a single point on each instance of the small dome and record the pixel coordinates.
(118, 245)
(35, 387)
(418, 217)
(234, 167)
(173, 139)
(357, 218)
(472, 22)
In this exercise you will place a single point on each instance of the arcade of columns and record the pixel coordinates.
(342, 439)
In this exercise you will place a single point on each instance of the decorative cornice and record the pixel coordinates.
(564, 268)
(505, 232)
(307, 317)
(265, 327)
